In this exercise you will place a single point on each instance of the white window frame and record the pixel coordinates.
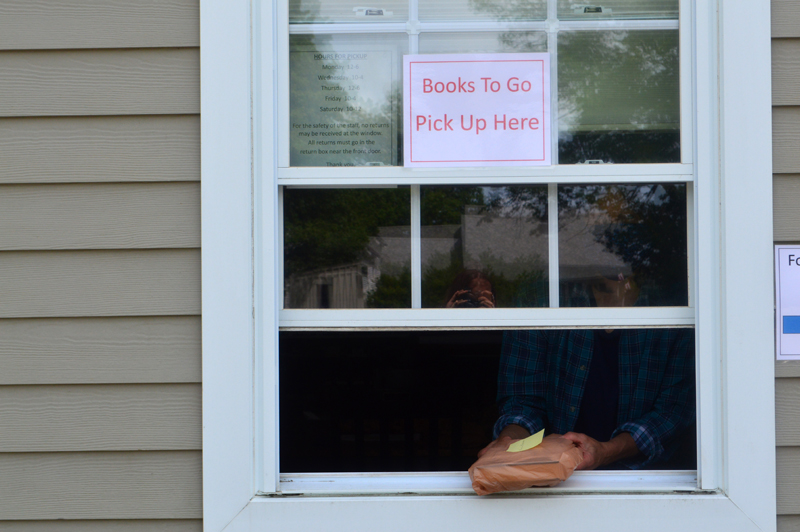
(734, 293)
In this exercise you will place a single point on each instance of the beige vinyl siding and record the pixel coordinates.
(789, 523)
(785, 18)
(100, 369)
(91, 417)
(786, 222)
(100, 350)
(100, 82)
(101, 485)
(54, 24)
(786, 139)
(99, 216)
(100, 149)
(154, 525)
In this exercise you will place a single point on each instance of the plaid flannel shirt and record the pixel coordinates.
(543, 375)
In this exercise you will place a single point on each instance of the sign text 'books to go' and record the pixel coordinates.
(476, 110)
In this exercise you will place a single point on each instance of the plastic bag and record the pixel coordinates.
(547, 464)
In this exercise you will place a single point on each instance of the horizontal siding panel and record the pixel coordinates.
(150, 525)
(100, 82)
(103, 485)
(100, 350)
(787, 412)
(100, 216)
(786, 207)
(61, 24)
(786, 72)
(788, 471)
(100, 417)
(99, 283)
(786, 140)
(787, 368)
(785, 18)
(789, 523)
(100, 149)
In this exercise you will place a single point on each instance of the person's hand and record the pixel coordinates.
(597, 453)
(502, 442)
(486, 299)
(456, 298)
(594, 453)
(507, 436)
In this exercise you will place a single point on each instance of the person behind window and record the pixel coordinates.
(625, 397)
(470, 289)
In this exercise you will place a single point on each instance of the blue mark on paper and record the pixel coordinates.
(791, 325)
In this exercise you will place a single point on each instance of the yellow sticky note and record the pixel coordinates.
(528, 443)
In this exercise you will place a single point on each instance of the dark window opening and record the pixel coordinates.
(418, 400)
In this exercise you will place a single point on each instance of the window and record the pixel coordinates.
(536, 242)
(241, 457)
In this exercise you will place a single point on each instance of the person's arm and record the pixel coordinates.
(674, 406)
(521, 384)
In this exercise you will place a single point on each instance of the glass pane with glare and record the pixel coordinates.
(622, 245)
(618, 97)
(346, 11)
(484, 247)
(347, 248)
(617, 9)
(483, 10)
(345, 100)
(483, 42)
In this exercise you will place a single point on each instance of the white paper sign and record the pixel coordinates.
(787, 300)
(476, 110)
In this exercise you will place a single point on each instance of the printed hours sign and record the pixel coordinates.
(342, 108)
(787, 302)
(476, 110)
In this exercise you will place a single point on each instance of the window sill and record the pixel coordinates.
(458, 483)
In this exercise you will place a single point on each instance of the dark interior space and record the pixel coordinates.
(395, 401)
(386, 401)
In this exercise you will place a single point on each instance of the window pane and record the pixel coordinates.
(346, 11)
(345, 100)
(482, 42)
(428, 400)
(456, 10)
(618, 97)
(617, 9)
(622, 245)
(347, 248)
(484, 247)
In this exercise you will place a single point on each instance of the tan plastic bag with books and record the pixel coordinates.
(547, 464)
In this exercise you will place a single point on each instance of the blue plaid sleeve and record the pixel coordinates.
(674, 408)
(521, 385)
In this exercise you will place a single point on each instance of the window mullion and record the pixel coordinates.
(416, 248)
(552, 242)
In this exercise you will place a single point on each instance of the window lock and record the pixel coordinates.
(590, 10)
(371, 12)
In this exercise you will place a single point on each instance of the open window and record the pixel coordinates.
(400, 285)
(703, 140)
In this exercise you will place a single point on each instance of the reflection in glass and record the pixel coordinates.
(618, 97)
(347, 11)
(456, 10)
(347, 248)
(482, 42)
(484, 246)
(622, 245)
(617, 9)
(345, 100)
